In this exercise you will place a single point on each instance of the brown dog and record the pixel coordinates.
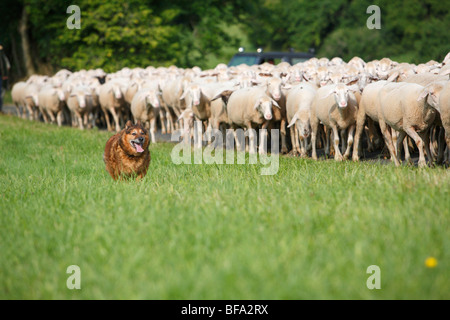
(126, 152)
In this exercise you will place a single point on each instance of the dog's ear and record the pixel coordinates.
(128, 124)
(139, 123)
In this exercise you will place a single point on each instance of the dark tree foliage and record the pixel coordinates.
(117, 33)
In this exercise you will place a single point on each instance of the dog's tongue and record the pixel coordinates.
(138, 148)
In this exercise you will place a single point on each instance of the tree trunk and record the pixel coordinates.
(17, 70)
(23, 26)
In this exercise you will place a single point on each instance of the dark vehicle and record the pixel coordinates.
(259, 57)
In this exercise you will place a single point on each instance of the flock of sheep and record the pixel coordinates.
(321, 101)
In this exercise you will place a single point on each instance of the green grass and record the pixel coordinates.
(213, 231)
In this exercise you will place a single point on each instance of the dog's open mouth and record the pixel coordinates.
(137, 145)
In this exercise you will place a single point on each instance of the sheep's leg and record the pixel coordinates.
(263, 138)
(351, 130)
(327, 141)
(169, 124)
(86, 119)
(337, 152)
(426, 139)
(360, 120)
(236, 140)
(441, 145)
(400, 141)
(44, 115)
(108, 122)
(284, 148)
(447, 149)
(198, 128)
(153, 130)
(293, 133)
(420, 145)
(252, 140)
(80, 120)
(162, 119)
(59, 118)
(30, 112)
(303, 146)
(209, 130)
(296, 145)
(52, 117)
(301, 143)
(314, 127)
(388, 139)
(394, 134)
(344, 140)
(116, 119)
(406, 149)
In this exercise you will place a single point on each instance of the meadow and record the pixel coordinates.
(213, 231)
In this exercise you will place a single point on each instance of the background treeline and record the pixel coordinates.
(138, 33)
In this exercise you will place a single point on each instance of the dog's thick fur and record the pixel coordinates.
(126, 153)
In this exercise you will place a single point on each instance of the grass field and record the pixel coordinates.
(213, 231)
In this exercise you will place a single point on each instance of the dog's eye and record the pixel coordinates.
(134, 133)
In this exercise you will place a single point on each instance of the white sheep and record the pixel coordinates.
(111, 100)
(145, 107)
(274, 89)
(31, 100)
(51, 103)
(80, 105)
(336, 107)
(298, 111)
(250, 108)
(404, 107)
(18, 97)
(368, 110)
(444, 110)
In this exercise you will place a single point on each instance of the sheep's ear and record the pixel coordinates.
(128, 124)
(275, 104)
(206, 95)
(329, 94)
(353, 87)
(182, 115)
(393, 77)
(224, 95)
(423, 94)
(256, 104)
(287, 86)
(352, 81)
(294, 119)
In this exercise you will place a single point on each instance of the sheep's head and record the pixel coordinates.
(341, 93)
(194, 93)
(151, 99)
(264, 106)
(431, 94)
(60, 93)
(274, 87)
(302, 122)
